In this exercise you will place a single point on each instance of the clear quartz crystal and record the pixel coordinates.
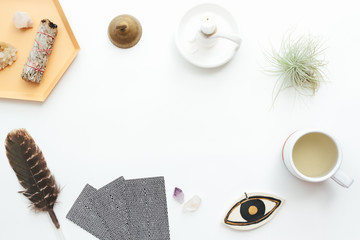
(22, 20)
(193, 204)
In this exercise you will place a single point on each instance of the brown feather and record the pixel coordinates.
(30, 167)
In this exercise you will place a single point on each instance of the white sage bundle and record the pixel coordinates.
(36, 62)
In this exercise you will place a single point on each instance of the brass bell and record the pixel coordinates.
(125, 31)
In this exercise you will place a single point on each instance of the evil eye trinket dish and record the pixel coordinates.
(253, 210)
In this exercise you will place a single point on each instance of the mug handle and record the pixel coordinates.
(342, 178)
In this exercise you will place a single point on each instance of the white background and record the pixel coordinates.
(146, 112)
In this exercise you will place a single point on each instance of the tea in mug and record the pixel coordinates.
(315, 154)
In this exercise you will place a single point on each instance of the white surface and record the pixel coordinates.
(145, 111)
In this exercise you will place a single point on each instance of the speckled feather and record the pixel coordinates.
(30, 167)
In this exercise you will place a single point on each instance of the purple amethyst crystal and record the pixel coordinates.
(178, 195)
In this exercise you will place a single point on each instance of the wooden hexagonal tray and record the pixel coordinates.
(65, 48)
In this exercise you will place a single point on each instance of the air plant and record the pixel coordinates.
(298, 64)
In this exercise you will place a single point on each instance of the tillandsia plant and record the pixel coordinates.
(298, 63)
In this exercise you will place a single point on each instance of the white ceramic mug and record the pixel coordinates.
(314, 156)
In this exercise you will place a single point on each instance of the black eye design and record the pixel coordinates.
(253, 210)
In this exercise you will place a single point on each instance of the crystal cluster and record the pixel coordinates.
(7, 55)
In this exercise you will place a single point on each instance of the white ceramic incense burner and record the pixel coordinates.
(208, 33)
(207, 36)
